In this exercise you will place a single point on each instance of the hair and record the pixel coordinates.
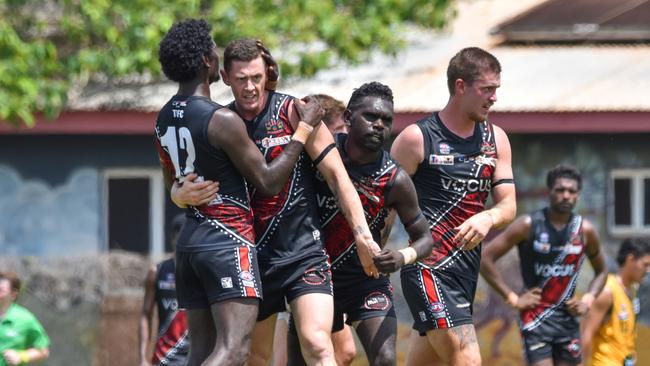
(372, 89)
(333, 107)
(468, 64)
(182, 49)
(563, 171)
(242, 49)
(638, 247)
(13, 280)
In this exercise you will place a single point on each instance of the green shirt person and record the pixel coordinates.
(22, 337)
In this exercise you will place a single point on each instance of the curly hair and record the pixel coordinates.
(563, 171)
(242, 49)
(468, 64)
(372, 89)
(181, 50)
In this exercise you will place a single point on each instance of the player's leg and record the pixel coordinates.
(420, 352)
(456, 346)
(377, 335)
(280, 339)
(262, 342)
(314, 327)
(234, 320)
(344, 348)
(201, 329)
(294, 354)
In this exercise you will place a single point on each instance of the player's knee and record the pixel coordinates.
(316, 345)
(237, 354)
(472, 358)
(345, 354)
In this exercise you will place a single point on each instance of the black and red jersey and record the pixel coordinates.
(453, 182)
(286, 225)
(172, 343)
(551, 260)
(184, 148)
(373, 182)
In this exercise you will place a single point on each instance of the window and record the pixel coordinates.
(134, 212)
(629, 210)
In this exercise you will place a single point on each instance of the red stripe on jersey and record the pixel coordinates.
(431, 293)
(245, 265)
(170, 338)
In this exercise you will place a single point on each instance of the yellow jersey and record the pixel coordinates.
(614, 343)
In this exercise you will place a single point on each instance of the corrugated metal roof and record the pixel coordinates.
(534, 78)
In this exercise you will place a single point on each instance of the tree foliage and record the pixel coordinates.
(46, 46)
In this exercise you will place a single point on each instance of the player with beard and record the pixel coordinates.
(552, 245)
(216, 265)
(382, 186)
(292, 259)
(456, 159)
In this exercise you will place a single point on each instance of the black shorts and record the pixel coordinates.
(309, 275)
(371, 299)
(437, 299)
(206, 277)
(557, 338)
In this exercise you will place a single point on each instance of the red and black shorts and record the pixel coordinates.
(309, 275)
(556, 338)
(372, 298)
(437, 299)
(208, 276)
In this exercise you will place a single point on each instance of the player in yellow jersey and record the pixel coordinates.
(609, 328)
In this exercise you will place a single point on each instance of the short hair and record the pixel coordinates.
(333, 107)
(638, 247)
(13, 279)
(242, 49)
(468, 64)
(182, 49)
(563, 171)
(372, 89)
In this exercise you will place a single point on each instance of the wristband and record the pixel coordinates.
(512, 299)
(302, 132)
(410, 255)
(23, 356)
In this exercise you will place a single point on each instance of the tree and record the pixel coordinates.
(48, 46)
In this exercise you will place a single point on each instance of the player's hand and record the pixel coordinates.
(272, 69)
(529, 299)
(309, 110)
(576, 307)
(389, 261)
(194, 192)
(367, 249)
(11, 356)
(473, 231)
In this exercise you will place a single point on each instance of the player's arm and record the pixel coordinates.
(597, 261)
(146, 316)
(473, 230)
(494, 249)
(388, 226)
(330, 165)
(227, 131)
(595, 319)
(403, 198)
(408, 149)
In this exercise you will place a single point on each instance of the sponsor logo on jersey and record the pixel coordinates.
(444, 148)
(275, 141)
(536, 346)
(469, 185)
(572, 249)
(542, 245)
(376, 301)
(441, 159)
(488, 148)
(168, 283)
(316, 234)
(463, 305)
(485, 160)
(423, 316)
(170, 303)
(274, 126)
(247, 278)
(226, 282)
(623, 314)
(314, 277)
(554, 270)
